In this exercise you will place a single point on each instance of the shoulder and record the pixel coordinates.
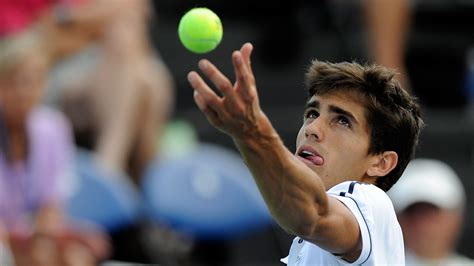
(362, 192)
(368, 199)
(377, 220)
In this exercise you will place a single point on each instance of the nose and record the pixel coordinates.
(315, 129)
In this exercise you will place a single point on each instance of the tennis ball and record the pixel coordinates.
(200, 30)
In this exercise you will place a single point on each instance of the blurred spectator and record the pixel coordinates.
(36, 162)
(429, 199)
(110, 81)
(116, 90)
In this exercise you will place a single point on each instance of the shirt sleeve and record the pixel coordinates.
(352, 195)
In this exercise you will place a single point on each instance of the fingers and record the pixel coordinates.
(246, 51)
(231, 101)
(236, 97)
(206, 99)
(243, 73)
(209, 97)
(211, 115)
(217, 78)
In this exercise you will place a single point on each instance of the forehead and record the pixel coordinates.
(343, 97)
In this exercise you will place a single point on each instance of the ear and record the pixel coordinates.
(383, 163)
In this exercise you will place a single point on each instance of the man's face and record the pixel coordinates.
(334, 139)
(421, 224)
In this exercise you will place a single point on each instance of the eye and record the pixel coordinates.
(311, 114)
(342, 120)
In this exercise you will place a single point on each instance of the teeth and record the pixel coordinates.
(306, 153)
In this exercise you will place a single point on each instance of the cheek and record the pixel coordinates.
(353, 153)
(354, 146)
(451, 224)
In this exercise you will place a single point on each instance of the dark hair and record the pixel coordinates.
(393, 115)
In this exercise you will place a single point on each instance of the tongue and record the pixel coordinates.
(315, 159)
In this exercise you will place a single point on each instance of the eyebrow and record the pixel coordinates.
(339, 110)
(312, 104)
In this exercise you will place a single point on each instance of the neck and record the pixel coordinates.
(369, 179)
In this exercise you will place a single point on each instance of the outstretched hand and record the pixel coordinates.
(237, 112)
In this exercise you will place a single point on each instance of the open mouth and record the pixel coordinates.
(311, 156)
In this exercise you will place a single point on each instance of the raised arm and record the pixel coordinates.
(388, 25)
(294, 194)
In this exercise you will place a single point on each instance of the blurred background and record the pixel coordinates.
(153, 176)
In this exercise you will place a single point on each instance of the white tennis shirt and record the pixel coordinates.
(382, 239)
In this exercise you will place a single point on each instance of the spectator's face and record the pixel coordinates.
(430, 232)
(335, 127)
(21, 87)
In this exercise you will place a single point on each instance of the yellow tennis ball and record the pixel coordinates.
(200, 30)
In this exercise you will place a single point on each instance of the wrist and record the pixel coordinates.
(261, 133)
(259, 143)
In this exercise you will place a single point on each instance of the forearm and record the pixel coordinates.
(294, 194)
(388, 24)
